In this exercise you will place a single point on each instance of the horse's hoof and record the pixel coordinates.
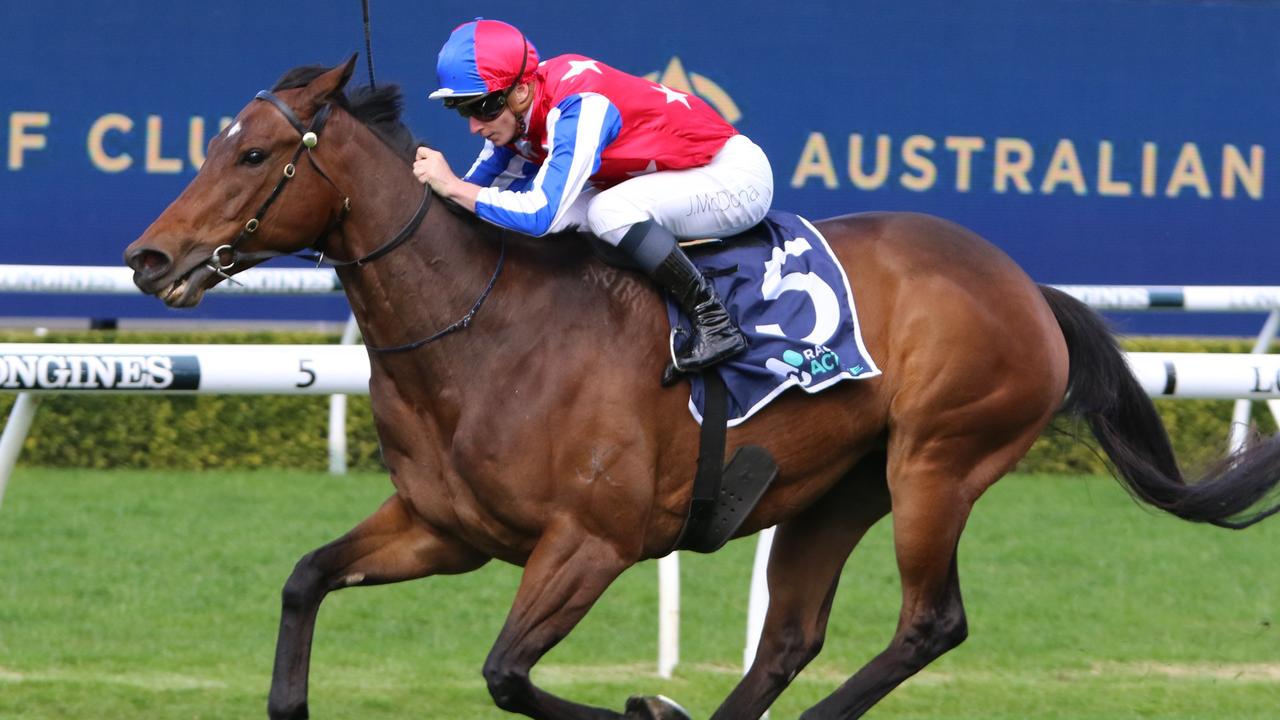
(655, 707)
(298, 712)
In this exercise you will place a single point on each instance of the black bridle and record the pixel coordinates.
(311, 138)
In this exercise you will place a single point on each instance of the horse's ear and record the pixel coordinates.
(332, 81)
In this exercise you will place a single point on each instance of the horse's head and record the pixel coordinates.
(255, 197)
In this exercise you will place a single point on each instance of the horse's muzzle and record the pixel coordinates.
(150, 267)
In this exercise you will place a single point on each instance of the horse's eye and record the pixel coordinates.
(253, 157)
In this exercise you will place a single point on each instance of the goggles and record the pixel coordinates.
(484, 108)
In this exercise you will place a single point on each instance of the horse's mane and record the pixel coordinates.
(377, 108)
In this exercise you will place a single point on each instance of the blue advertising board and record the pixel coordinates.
(1096, 141)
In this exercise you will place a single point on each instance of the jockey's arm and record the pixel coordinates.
(492, 165)
(581, 127)
(463, 193)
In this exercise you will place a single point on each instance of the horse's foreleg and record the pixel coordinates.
(564, 576)
(389, 546)
(808, 554)
(932, 493)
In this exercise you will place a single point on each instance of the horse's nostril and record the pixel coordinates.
(149, 262)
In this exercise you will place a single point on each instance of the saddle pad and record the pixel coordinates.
(788, 293)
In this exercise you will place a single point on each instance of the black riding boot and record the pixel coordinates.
(715, 337)
(654, 249)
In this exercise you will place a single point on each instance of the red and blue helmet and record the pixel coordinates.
(483, 56)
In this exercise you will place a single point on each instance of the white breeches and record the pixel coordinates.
(726, 196)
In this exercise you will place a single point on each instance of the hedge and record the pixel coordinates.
(193, 432)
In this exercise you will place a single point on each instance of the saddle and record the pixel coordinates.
(790, 295)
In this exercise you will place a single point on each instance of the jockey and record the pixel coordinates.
(571, 143)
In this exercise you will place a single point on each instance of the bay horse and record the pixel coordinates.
(538, 433)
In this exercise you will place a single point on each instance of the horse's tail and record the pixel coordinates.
(1103, 391)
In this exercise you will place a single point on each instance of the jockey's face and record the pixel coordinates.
(499, 131)
(504, 128)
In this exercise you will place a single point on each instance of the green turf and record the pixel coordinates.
(149, 595)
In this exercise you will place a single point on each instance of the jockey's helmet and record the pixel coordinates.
(481, 57)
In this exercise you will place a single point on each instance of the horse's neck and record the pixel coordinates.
(432, 281)
(425, 284)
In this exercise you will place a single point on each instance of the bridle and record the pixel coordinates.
(310, 137)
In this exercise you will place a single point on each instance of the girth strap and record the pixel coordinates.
(706, 484)
(723, 495)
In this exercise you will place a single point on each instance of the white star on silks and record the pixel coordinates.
(652, 167)
(672, 95)
(577, 67)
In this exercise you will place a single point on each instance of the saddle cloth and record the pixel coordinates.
(789, 294)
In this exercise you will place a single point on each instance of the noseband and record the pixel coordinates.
(310, 137)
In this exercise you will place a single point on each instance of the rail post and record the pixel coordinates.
(1243, 408)
(15, 433)
(338, 413)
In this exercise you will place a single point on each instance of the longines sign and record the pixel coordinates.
(99, 372)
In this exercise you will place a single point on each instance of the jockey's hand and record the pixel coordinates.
(430, 167)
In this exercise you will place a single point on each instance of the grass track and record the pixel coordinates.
(150, 595)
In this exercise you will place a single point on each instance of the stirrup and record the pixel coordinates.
(671, 345)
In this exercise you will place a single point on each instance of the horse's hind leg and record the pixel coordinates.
(389, 546)
(933, 487)
(808, 554)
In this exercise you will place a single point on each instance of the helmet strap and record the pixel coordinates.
(521, 130)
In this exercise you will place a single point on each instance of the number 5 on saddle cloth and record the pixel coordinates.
(788, 293)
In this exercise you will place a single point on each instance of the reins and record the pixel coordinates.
(405, 233)
(460, 324)
(368, 43)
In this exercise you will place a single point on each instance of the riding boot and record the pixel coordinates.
(715, 337)
(654, 249)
